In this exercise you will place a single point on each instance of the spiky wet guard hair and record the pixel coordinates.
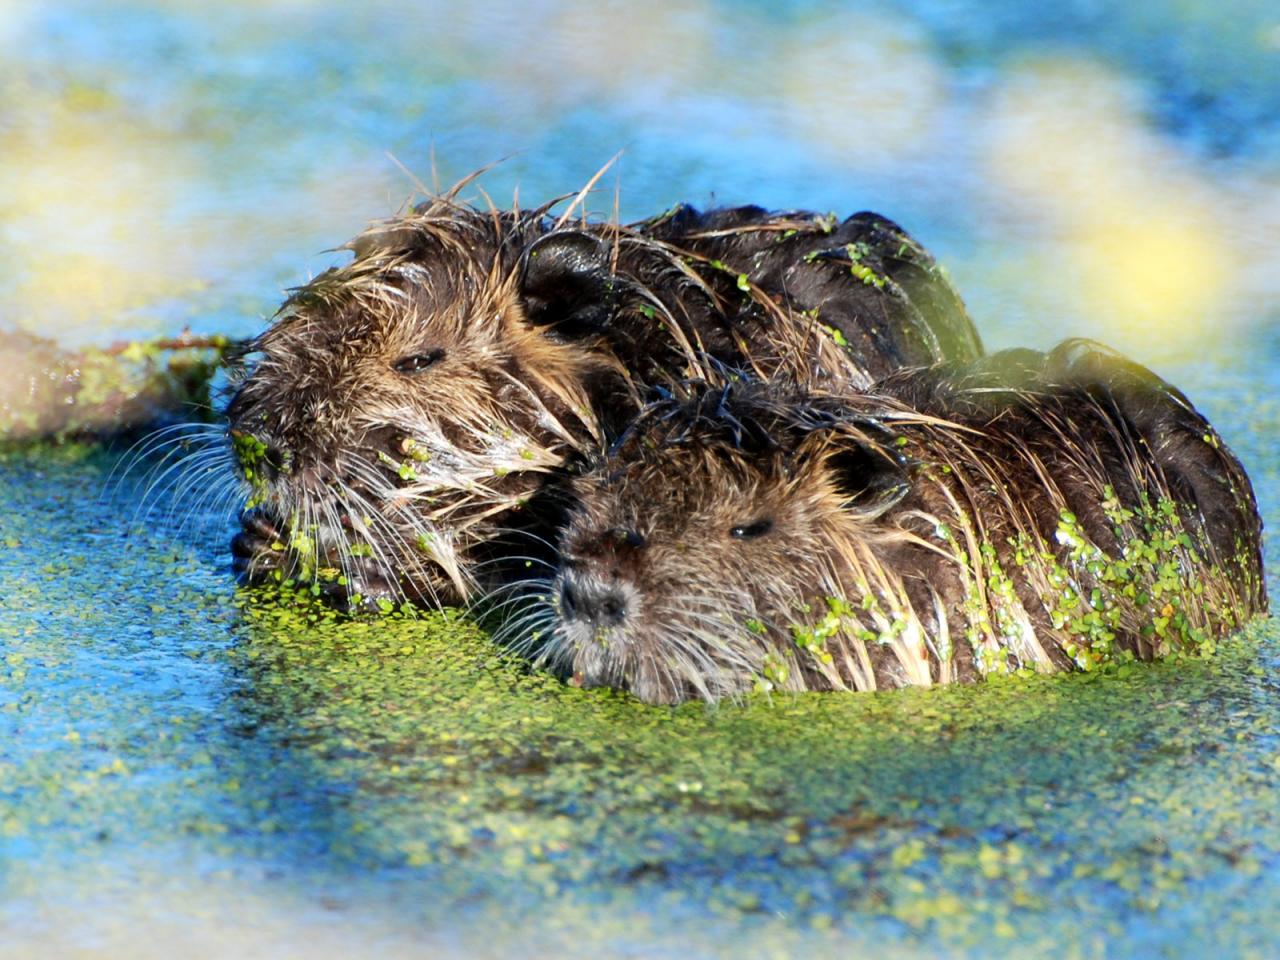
(1042, 511)
(517, 405)
(543, 334)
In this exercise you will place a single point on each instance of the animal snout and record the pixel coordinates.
(254, 550)
(600, 603)
(617, 550)
(260, 455)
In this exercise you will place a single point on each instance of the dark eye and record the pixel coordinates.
(418, 361)
(749, 530)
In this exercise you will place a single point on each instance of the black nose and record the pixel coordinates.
(600, 604)
(260, 455)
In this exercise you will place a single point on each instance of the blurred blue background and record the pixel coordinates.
(1082, 168)
(1102, 169)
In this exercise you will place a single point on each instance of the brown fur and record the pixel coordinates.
(1035, 511)
(410, 404)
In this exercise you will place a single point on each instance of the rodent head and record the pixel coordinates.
(706, 535)
(400, 402)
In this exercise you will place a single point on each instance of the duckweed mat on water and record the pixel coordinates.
(189, 772)
(181, 756)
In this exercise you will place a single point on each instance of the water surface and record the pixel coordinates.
(185, 769)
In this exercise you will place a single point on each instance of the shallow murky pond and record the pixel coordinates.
(186, 769)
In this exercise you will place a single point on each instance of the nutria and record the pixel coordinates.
(404, 408)
(1033, 511)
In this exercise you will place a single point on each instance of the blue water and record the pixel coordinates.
(1087, 170)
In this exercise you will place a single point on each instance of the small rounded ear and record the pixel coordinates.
(567, 283)
(869, 477)
(872, 481)
(386, 240)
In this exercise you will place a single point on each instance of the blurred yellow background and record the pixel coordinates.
(170, 164)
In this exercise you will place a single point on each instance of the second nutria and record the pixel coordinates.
(402, 411)
(1044, 511)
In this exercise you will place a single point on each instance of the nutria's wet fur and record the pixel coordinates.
(1043, 511)
(402, 409)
